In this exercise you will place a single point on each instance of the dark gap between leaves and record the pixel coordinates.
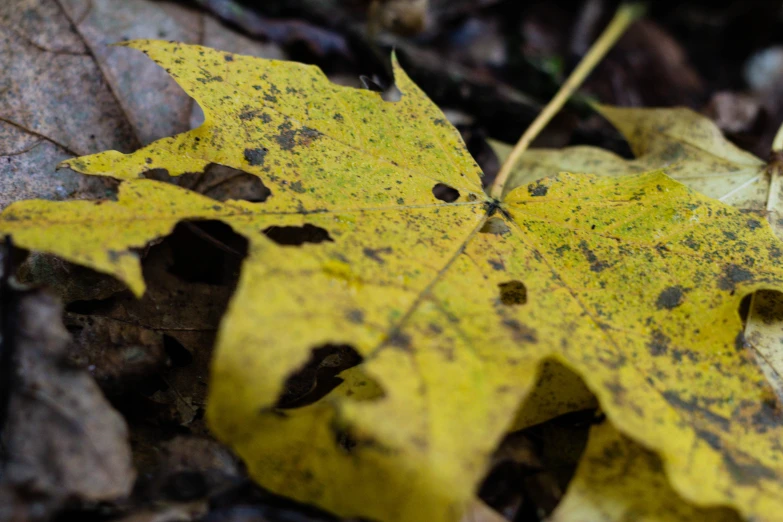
(207, 252)
(176, 352)
(530, 470)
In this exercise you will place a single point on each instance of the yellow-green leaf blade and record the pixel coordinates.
(311, 141)
(619, 480)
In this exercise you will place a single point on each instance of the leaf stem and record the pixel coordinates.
(626, 14)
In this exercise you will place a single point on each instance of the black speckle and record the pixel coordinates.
(520, 332)
(355, 316)
(733, 274)
(296, 186)
(400, 340)
(375, 254)
(659, 343)
(256, 156)
(537, 189)
(497, 264)
(670, 298)
(228, 58)
(595, 264)
(753, 224)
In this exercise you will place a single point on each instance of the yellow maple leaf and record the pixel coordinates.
(631, 283)
(619, 480)
(692, 150)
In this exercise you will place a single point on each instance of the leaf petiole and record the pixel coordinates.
(626, 14)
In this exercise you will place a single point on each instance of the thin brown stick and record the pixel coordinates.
(626, 14)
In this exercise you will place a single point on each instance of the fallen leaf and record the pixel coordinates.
(632, 283)
(62, 440)
(66, 92)
(691, 149)
(619, 480)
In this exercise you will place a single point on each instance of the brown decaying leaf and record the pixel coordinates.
(67, 92)
(63, 441)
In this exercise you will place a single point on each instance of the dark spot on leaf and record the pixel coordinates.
(228, 58)
(445, 193)
(595, 264)
(297, 236)
(355, 316)
(345, 440)
(659, 343)
(520, 332)
(710, 438)
(747, 471)
(537, 189)
(513, 293)
(296, 186)
(399, 340)
(497, 264)
(255, 156)
(753, 224)
(733, 274)
(318, 376)
(375, 253)
(670, 298)
(699, 413)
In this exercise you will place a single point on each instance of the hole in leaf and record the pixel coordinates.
(445, 193)
(206, 252)
(495, 225)
(297, 236)
(223, 183)
(513, 293)
(218, 182)
(318, 376)
(176, 352)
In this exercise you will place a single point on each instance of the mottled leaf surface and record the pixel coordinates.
(633, 283)
(691, 149)
(619, 480)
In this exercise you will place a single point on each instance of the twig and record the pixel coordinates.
(626, 14)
